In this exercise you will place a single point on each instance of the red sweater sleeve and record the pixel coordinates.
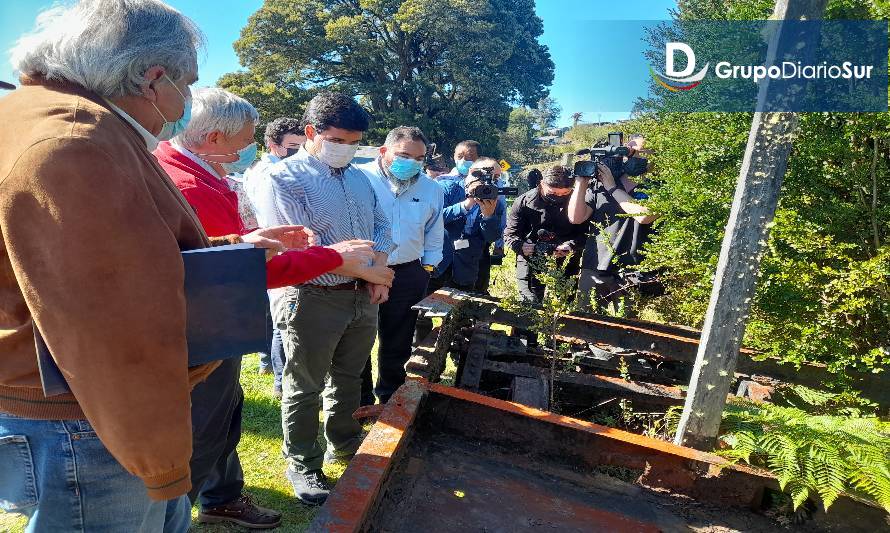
(295, 267)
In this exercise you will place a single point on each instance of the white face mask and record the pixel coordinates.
(335, 155)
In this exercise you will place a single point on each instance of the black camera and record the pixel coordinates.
(613, 157)
(546, 243)
(488, 190)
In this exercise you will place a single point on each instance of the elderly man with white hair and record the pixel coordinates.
(92, 230)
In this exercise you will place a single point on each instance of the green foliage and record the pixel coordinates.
(273, 99)
(547, 112)
(517, 143)
(821, 455)
(824, 289)
(452, 67)
(586, 135)
(845, 403)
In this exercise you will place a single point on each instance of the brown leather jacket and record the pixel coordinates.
(91, 229)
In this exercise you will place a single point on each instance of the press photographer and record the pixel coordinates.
(538, 225)
(606, 201)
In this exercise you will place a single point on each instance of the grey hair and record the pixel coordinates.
(406, 132)
(215, 109)
(106, 46)
(484, 162)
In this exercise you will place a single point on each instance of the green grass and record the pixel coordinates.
(11, 522)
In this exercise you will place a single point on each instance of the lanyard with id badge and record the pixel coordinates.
(464, 242)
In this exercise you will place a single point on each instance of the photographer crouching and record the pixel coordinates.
(620, 224)
(538, 225)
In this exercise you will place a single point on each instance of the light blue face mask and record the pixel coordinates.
(172, 129)
(246, 157)
(404, 169)
(463, 166)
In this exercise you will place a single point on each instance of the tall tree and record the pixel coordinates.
(517, 143)
(576, 118)
(452, 67)
(273, 98)
(548, 112)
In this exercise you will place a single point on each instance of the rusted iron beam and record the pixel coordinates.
(350, 504)
(670, 342)
(642, 394)
(754, 391)
(705, 477)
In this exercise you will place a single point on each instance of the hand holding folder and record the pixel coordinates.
(226, 306)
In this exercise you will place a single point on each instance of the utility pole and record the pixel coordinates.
(753, 210)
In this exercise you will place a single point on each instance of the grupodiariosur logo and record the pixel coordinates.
(679, 80)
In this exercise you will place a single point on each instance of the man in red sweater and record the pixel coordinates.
(219, 140)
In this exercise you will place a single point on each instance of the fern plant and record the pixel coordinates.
(824, 455)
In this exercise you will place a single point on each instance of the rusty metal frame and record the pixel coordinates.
(357, 493)
(670, 342)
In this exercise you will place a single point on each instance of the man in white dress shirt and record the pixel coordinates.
(413, 202)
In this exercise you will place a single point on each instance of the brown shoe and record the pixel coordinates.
(242, 512)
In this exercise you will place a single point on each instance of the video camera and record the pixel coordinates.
(488, 190)
(546, 243)
(613, 157)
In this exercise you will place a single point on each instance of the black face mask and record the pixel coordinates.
(635, 166)
(556, 199)
(291, 151)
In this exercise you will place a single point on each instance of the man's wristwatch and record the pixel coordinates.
(612, 190)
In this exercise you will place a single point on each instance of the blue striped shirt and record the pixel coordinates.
(335, 205)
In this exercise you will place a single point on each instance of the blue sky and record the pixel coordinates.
(590, 46)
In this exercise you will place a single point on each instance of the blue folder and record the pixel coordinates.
(226, 306)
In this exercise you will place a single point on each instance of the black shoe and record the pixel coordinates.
(242, 512)
(310, 488)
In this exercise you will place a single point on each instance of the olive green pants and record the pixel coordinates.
(328, 337)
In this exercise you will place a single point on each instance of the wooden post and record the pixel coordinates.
(753, 210)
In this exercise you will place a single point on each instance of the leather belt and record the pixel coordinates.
(406, 264)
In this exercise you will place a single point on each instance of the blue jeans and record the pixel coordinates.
(265, 361)
(266, 357)
(277, 357)
(60, 475)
